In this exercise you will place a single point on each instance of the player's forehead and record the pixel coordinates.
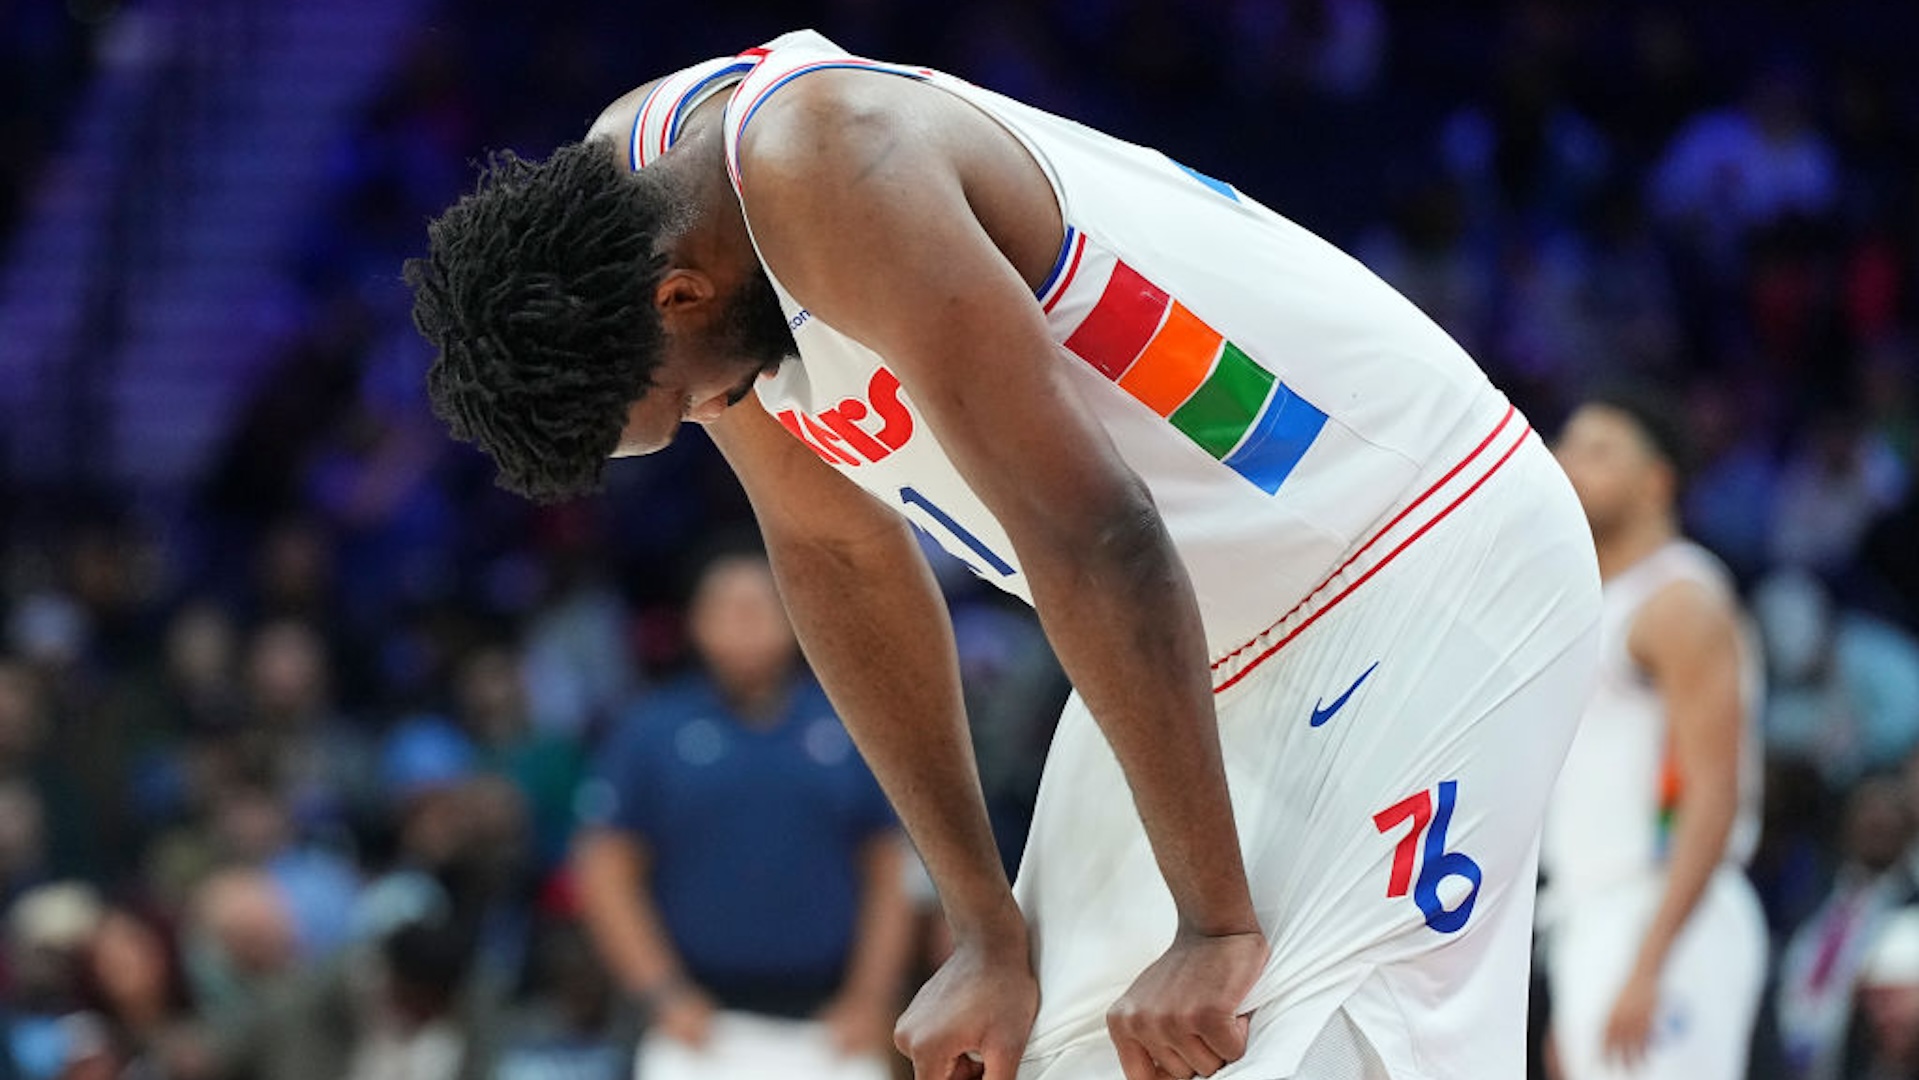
(1597, 423)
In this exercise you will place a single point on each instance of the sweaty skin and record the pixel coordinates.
(906, 219)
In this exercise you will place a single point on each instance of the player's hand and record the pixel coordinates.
(684, 1014)
(859, 1024)
(1629, 1028)
(971, 1019)
(1181, 1016)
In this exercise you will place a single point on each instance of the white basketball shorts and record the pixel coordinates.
(1389, 760)
(1708, 990)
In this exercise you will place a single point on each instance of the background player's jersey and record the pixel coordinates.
(1280, 402)
(1611, 816)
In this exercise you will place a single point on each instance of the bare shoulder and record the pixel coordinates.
(845, 147)
(1683, 620)
(836, 120)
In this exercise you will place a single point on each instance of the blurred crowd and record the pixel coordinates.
(288, 761)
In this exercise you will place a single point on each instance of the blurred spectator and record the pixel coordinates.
(373, 481)
(1630, 295)
(1818, 968)
(464, 848)
(48, 633)
(157, 710)
(391, 1008)
(1333, 48)
(1889, 387)
(23, 840)
(1733, 170)
(1889, 999)
(413, 1029)
(490, 688)
(131, 978)
(568, 1029)
(49, 1036)
(578, 669)
(296, 578)
(1840, 478)
(1528, 151)
(1014, 690)
(63, 840)
(739, 868)
(1845, 685)
(294, 735)
(1729, 501)
(240, 940)
(249, 825)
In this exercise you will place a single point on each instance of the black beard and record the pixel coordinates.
(755, 328)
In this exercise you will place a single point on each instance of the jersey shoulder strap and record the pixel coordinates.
(672, 99)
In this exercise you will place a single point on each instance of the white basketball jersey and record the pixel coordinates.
(1611, 815)
(1280, 402)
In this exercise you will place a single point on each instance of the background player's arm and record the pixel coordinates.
(1687, 640)
(611, 867)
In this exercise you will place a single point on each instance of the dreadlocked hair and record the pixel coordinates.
(536, 291)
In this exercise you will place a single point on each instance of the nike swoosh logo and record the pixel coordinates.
(1323, 712)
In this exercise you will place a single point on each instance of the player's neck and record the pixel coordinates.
(1625, 546)
(716, 236)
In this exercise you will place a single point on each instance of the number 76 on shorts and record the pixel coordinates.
(1430, 812)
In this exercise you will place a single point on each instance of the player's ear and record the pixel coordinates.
(683, 291)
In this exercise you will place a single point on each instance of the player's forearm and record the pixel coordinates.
(621, 918)
(883, 940)
(1119, 609)
(1703, 822)
(875, 629)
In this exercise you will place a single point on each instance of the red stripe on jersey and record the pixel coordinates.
(1121, 323)
(1374, 569)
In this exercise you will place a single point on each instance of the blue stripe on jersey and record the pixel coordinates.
(1220, 186)
(639, 116)
(1059, 263)
(673, 122)
(1280, 437)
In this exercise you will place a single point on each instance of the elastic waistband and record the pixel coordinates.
(1410, 522)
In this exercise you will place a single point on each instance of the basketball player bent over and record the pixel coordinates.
(1327, 603)
(1656, 943)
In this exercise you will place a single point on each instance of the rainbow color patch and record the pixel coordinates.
(1665, 817)
(1173, 363)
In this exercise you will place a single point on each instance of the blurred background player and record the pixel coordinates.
(1821, 964)
(740, 870)
(1657, 945)
(1888, 998)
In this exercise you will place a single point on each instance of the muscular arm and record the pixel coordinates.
(862, 209)
(875, 629)
(1687, 640)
